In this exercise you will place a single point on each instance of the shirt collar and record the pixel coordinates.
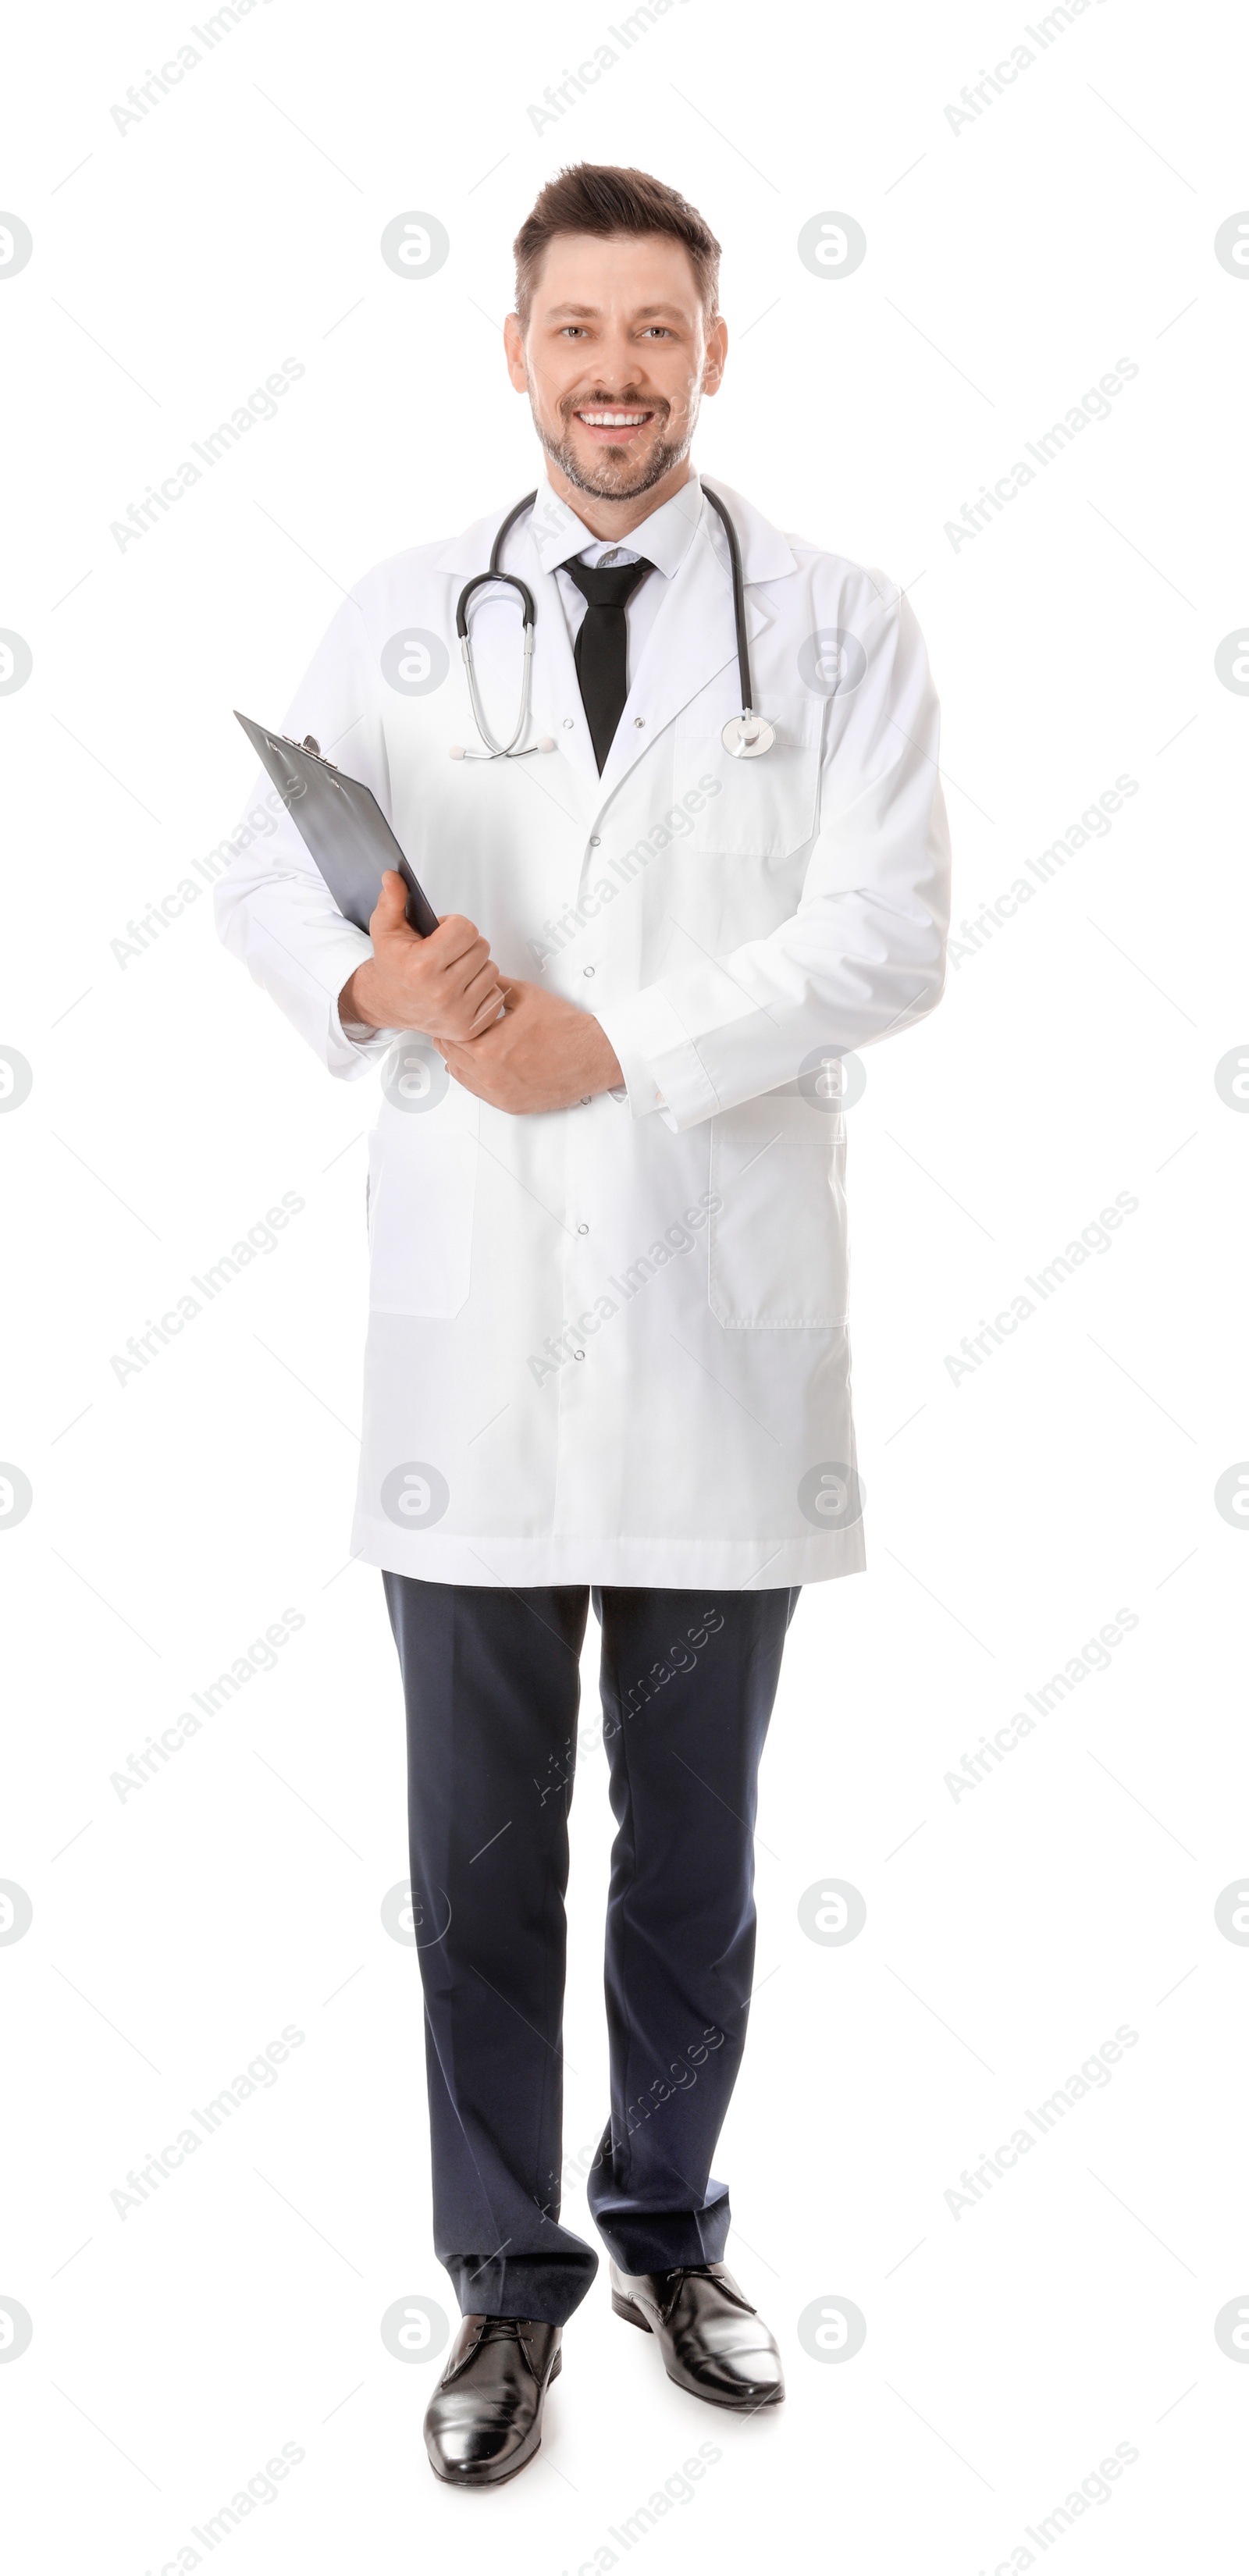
(664, 538)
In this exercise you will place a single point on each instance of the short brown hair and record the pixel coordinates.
(595, 198)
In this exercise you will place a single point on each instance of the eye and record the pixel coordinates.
(660, 329)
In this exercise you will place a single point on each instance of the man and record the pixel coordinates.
(607, 1351)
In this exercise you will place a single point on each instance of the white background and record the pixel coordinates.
(1009, 1932)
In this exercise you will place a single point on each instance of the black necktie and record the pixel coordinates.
(600, 651)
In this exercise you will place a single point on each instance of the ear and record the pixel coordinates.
(514, 350)
(717, 354)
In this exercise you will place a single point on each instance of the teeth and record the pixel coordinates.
(612, 419)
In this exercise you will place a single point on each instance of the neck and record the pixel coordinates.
(605, 517)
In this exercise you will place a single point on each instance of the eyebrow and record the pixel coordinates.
(588, 312)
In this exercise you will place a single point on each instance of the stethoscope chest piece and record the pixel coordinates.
(747, 736)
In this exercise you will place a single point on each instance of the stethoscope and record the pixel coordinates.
(745, 736)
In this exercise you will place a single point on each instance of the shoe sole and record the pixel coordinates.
(514, 2467)
(625, 2308)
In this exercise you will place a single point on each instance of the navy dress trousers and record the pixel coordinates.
(492, 1687)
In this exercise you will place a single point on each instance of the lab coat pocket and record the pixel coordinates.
(749, 809)
(422, 1190)
(777, 1234)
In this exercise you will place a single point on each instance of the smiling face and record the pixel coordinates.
(615, 358)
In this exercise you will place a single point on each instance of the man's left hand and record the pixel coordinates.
(542, 1054)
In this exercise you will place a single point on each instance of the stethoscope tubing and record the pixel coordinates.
(503, 751)
(739, 599)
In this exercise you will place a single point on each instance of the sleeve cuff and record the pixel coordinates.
(351, 1044)
(662, 1068)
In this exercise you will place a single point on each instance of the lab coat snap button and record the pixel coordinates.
(587, 970)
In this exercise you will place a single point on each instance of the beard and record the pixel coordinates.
(615, 476)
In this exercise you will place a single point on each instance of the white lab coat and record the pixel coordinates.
(609, 1344)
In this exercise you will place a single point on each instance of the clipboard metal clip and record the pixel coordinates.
(292, 788)
(309, 743)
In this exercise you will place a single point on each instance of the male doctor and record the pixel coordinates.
(607, 1355)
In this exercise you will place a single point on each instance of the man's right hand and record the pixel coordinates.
(447, 985)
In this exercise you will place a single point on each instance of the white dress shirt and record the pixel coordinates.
(664, 539)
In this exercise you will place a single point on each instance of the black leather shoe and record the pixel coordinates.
(484, 2420)
(712, 2341)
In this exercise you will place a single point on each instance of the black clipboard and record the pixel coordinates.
(343, 825)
